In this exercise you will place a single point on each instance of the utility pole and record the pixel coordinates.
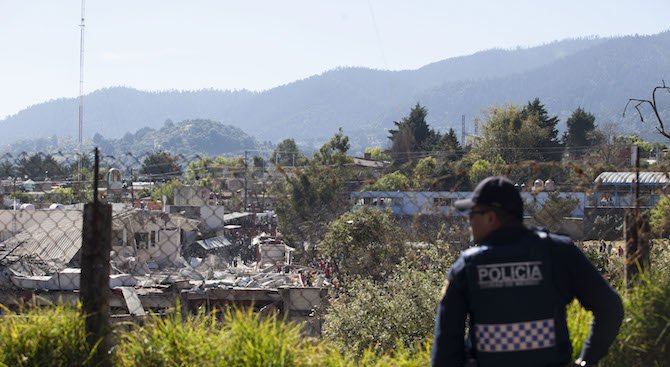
(462, 130)
(80, 162)
(636, 230)
(95, 269)
(245, 180)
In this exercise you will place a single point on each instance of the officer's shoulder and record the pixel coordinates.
(556, 238)
(474, 250)
(465, 257)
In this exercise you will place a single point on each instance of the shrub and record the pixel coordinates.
(251, 340)
(607, 227)
(169, 341)
(379, 316)
(242, 338)
(53, 336)
(644, 338)
(579, 325)
(364, 243)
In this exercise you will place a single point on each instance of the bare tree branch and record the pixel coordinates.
(661, 127)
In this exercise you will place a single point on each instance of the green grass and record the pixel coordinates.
(53, 336)
(644, 338)
(579, 325)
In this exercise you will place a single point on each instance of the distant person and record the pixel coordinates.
(514, 288)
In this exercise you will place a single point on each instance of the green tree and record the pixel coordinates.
(579, 138)
(334, 151)
(309, 200)
(259, 162)
(479, 170)
(646, 148)
(161, 165)
(7, 169)
(167, 190)
(287, 153)
(52, 168)
(551, 213)
(208, 168)
(62, 195)
(378, 154)
(608, 227)
(410, 133)
(38, 166)
(425, 172)
(449, 144)
(551, 147)
(660, 216)
(403, 311)
(482, 168)
(395, 181)
(511, 134)
(364, 243)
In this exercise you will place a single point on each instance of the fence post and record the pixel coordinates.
(95, 269)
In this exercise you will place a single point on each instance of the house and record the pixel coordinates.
(617, 189)
(151, 236)
(55, 236)
(212, 216)
(192, 195)
(219, 245)
(49, 235)
(272, 251)
(440, 203)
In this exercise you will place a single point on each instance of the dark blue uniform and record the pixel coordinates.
(514, 288)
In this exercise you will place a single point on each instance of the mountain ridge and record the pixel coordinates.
(598, 74)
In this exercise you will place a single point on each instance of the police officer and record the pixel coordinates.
(514, 288)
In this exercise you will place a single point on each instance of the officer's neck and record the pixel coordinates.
(505, 234)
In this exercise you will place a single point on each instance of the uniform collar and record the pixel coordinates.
(506, 235)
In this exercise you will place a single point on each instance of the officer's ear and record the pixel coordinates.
(493, 218)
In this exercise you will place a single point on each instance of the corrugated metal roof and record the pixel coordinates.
(121, 220)
(57, 237)
(214, 243)
(368, 162)
(627, 178)
(236, 215)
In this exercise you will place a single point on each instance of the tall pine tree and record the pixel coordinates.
(579, 136)
(550, 148)
(410, 134)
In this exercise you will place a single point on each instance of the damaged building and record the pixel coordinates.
(157, 260)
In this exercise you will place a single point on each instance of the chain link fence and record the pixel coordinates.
(192, 232)
(202, 233)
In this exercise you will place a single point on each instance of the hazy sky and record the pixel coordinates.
(260, 44)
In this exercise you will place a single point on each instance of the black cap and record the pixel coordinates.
(496, 192)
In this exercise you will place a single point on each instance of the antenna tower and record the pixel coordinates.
(462, 129)
(80, 162)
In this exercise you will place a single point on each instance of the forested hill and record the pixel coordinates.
(596, 74)
(188, 138)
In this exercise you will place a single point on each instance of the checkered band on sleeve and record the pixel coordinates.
(515, 337)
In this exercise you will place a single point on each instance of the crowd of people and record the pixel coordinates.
(604, 248)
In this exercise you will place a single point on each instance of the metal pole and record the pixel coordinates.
(637, 254)
(95, 269)
(81, 93)
(245, 181)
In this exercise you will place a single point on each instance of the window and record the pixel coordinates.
(117, 238)
(153, 238)
(141, 240)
